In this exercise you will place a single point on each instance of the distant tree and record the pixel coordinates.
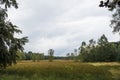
(83, 44)
(92, 43)
(30, 52)
(39, 56)
(75, 52)
(91, 50)
(72, 56)
(20, 55)
(83, 51)
(82, 48)
(9, 44)
(51, 53)
(34, 57)
(28, 55)
(75, 55)
(68, 56)
(103, 41)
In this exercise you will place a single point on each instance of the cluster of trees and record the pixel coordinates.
(70, 56)
(36, 56)
(30, 56)
(102, 50)
(73, 56)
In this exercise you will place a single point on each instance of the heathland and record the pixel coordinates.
(61, 70)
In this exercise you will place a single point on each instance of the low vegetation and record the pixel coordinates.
(61, 70)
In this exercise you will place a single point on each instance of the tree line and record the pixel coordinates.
(96, 51)
(36, 56)
(30, 56)
(99, 51)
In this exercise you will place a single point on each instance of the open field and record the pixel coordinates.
(61, 70)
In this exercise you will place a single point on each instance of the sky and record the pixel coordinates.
(61, 24)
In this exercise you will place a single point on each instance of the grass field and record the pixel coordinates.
(61, 70)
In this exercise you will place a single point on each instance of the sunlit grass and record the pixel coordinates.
(106, 63)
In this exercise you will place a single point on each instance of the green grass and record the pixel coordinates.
(61, 70)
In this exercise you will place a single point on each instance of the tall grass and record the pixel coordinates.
(57, 70)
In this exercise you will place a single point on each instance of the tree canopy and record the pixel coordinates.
(51, 53)
(9, 44)
(102, 51)
(9, 3)
(113, 5)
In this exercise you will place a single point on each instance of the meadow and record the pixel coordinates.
(61, 70)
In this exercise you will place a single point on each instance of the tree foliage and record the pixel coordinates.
(9, 44)
(101, 51)
(30, 56)
(51, 53)
(9, 3)
(113, 5)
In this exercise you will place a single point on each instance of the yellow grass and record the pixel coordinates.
(63, 70)
(105, 64)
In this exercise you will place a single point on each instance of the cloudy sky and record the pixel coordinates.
(61, 24)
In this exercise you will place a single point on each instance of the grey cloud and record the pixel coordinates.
(61, 24)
